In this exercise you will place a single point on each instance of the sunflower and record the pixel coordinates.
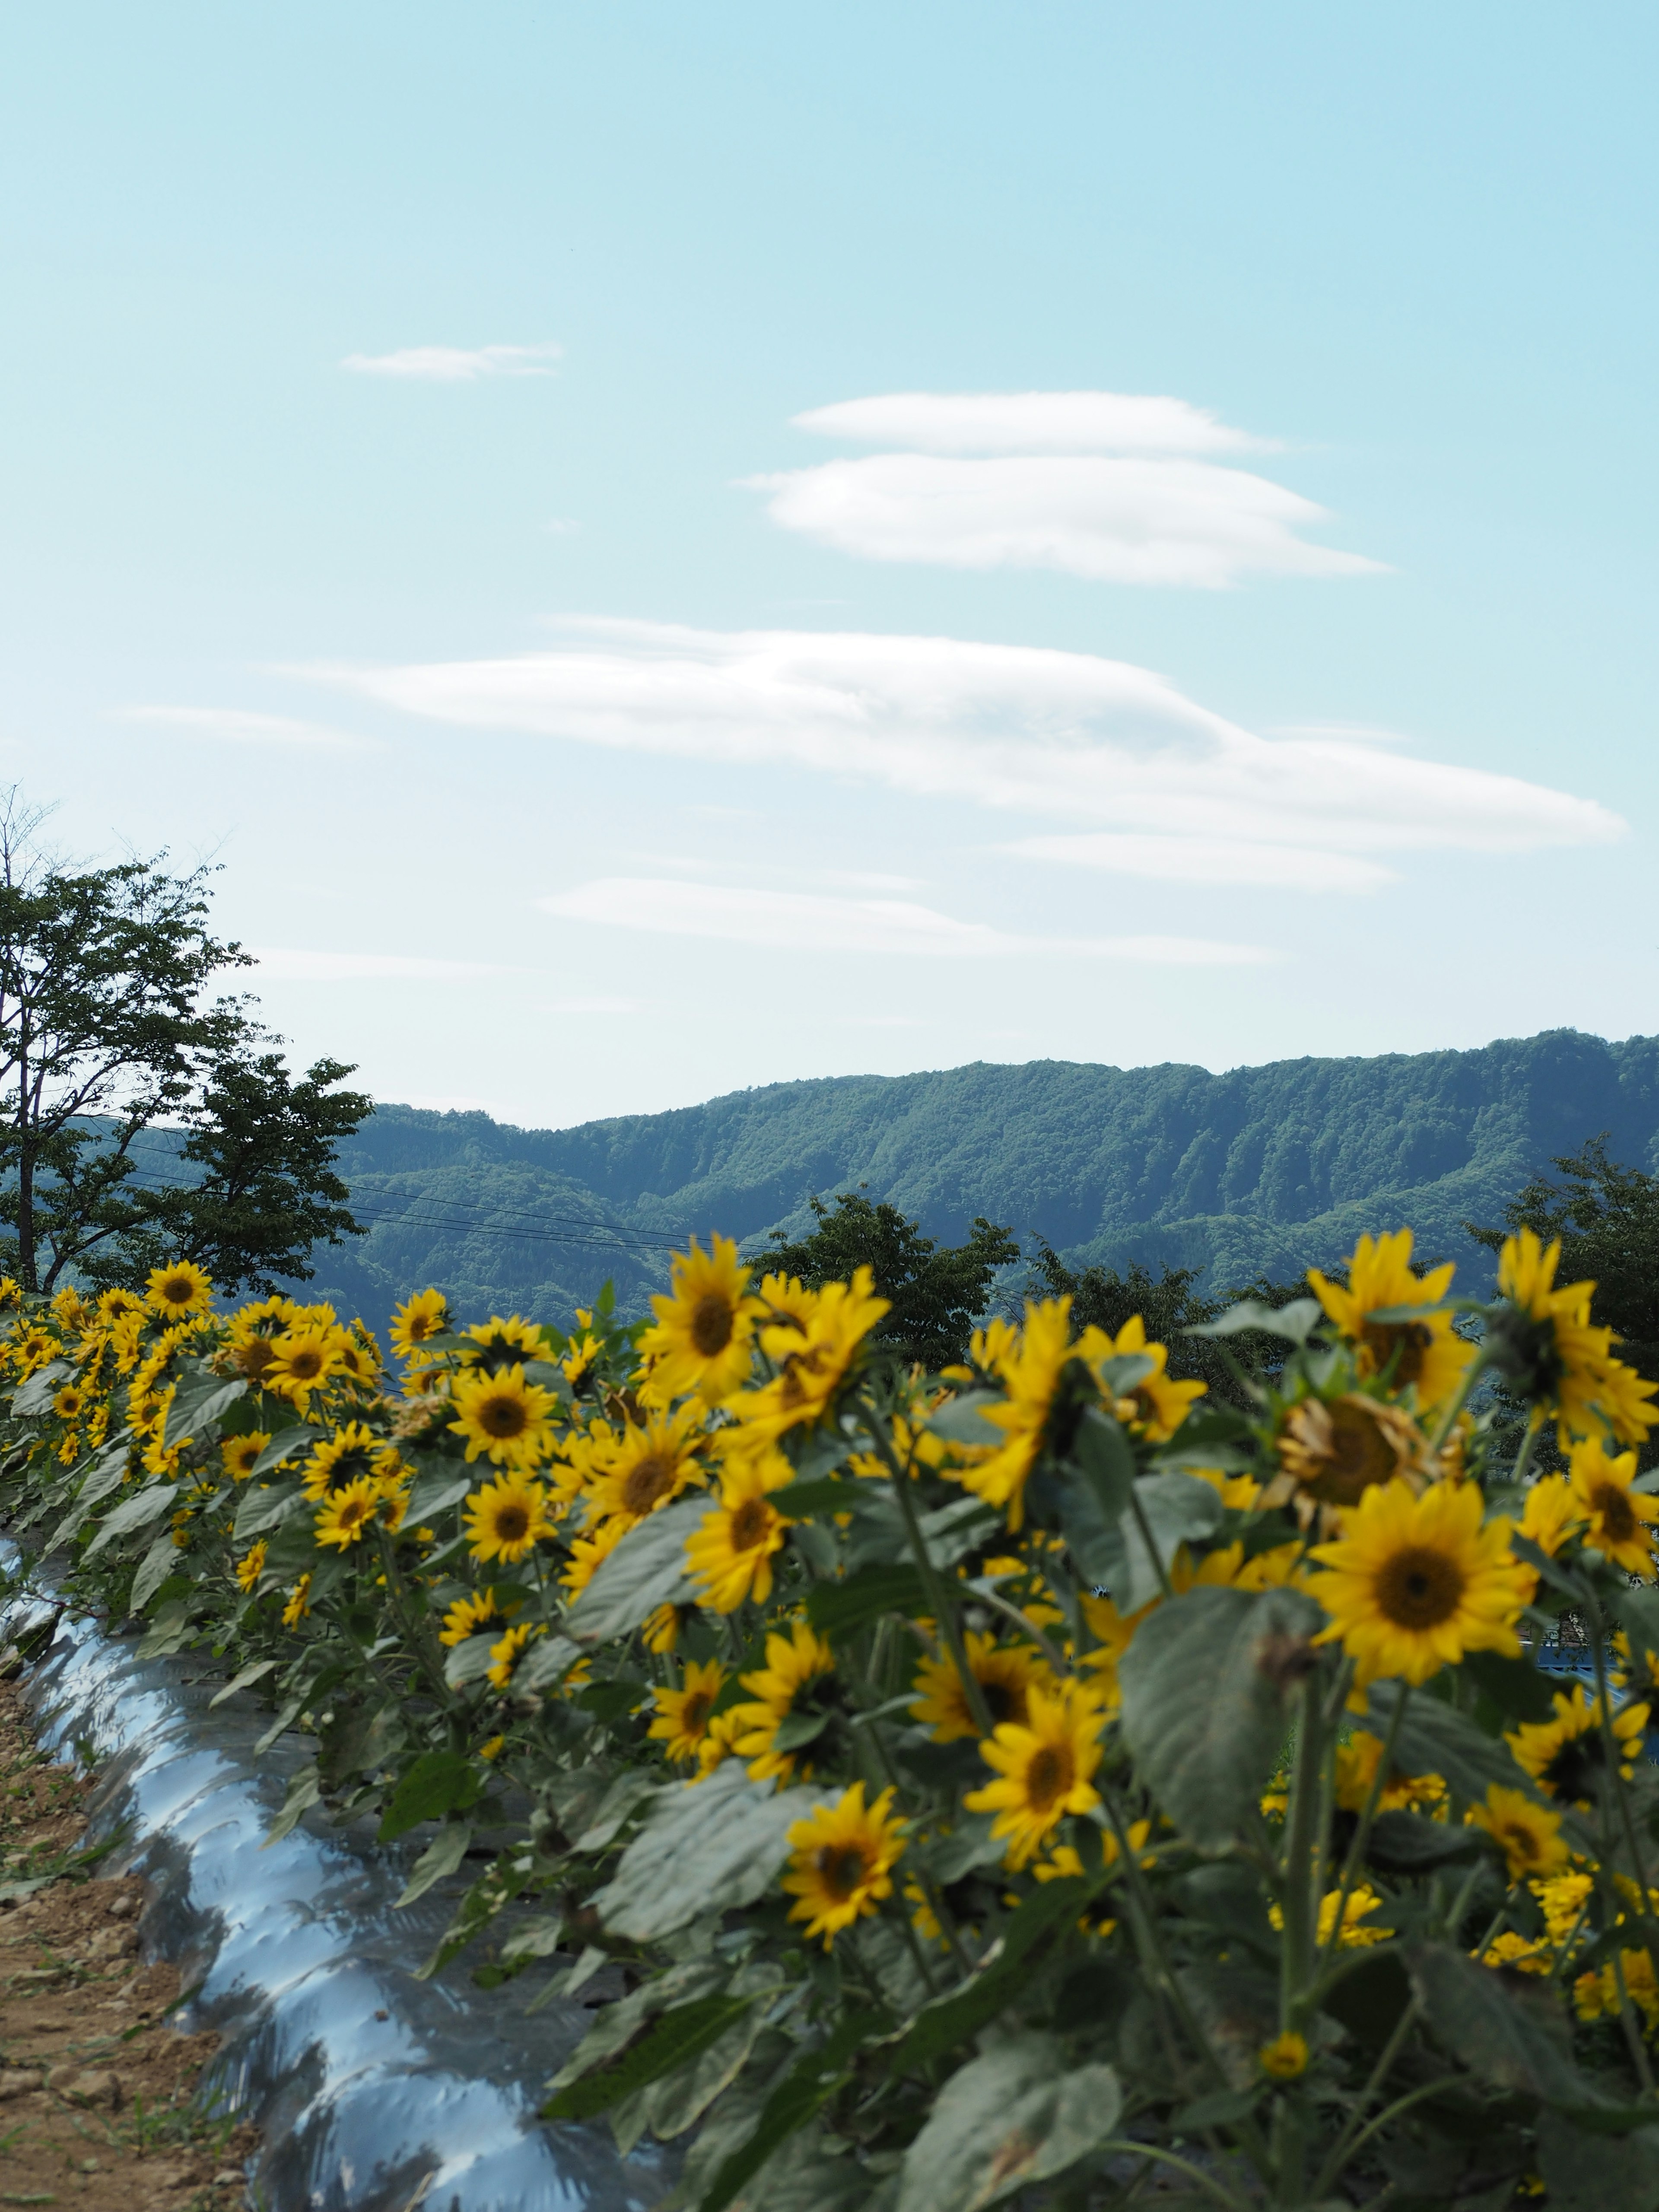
(177, 1290)
(1426, 1355)
(301, 1361)
(731, 1555)
(348, 1456)
(588, 1553)
(345, 1514)
(659, 1631)
(251, 1566)
(1637, 1678)
(1043, 1767)
(1005, 1674)
(702, 1338)
(842, 1867)
(507, 1518)
(503, 1415)
(1546, 1347)
(783, 1690)
(1155, 1406)
(240, 1454)
(1528, 1835)
(1551, 1513)
(1029, 1366)
(1417, 1582)
(68, 1402)
(498, 1343)
(577, 1362)
(299, 1603)
(251, 1340)
(1525, 1954)
(1332, 1450)
(719, 1743)
(1356, 1770)
(1568, 1754)
(1617, 1518)
(116, 1304)
(681, 1721)
(417, 1320)
(649, 1466)
(505, 1654)
(1285, 2057)
(470, 1616)
(813, 1363)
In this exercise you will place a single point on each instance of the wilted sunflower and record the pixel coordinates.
(731, 1554)
(681, 1721)
(507, 1518)
(650, 1464)
(702, 1338)
(178, 1289)
(1567, 1755)
(470, 1616)
(1527, 1834)
(1332, 1450)
(799, 1670)
(1415, 1583)
(843, 1854)
(1006, 1673)
(1617, 1519)
(417, 1320)
(1043, 1767)
(503, 1415)
(1426, 1354)
(345, 1514)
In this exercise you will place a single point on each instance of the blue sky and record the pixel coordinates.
(405, 500)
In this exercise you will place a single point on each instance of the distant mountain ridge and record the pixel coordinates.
(1261, 1169)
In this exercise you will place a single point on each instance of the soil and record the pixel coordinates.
(97, 2088)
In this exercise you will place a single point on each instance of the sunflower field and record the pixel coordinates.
(1034, 1782)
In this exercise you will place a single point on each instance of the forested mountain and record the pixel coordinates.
(1258, 1171)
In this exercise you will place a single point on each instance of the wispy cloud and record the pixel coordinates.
(1201, 860)
(1086, 742)
(456, 364)
(280, 964)
(1109, 485)
(803, 922)
(236, 726)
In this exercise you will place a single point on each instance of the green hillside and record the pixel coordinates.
(1259, 1169)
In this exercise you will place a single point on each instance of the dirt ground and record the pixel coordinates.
(95, 2084)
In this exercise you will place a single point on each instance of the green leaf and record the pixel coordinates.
(1177, 1507)
(189, 1416)
(259, 1510)
(493, 1892)
(254, 1672)
(1435, 1738)
(438, 1781)
(104, 1475)
(613, 1701)
(437, 1487)
(1515, 1686)
(283, 1447)
(1103, 1456)
(677, 2100)
(1510, 2035)
(968, 1845)
(648, 1569)
(547, 1661)
(632, 1788)
(1050, 1911)
(807, 1500)
(618, 2024)
(36, 1396)
(1005, 2120)
(469, 1660)
(1292, 1321)
(305, 1790)
(1405, 1843)
(1207, 1757)
(837, 1608)
(960, 1420)
(170, 1632)
(808, 2086)
(707, 1847)
(796, 1730)
(153, 1568)
(1584, 2172)
(442, 1857)
(678, 2038)
(134, 1512)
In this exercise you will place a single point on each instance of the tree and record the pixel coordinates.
(938, 1292)
(114, 1060)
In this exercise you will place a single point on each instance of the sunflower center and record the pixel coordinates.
(1577, 1767)
(712, 1322)
(1049, 1777)
(1403, 1342)
(347, 1469)
(503, 1417)
(353, 1510)
(1419, 1589)
(840, 1870)
(512, 1522)
(648, 1479)
(750, 1524)
(305, 1366)
(1002, 1701)
(254, 1357)
(694, 1713)
(1360, 1455)
(178, 1290)
(1618, 1520)
(1521, 1841)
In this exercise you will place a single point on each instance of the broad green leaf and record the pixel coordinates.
(951, 1531)
(1104, 1457)
(1436, 1739)
(1046, 1914)
(104, 1475)
(1176, 1507)
(153, 1568)
(547, 1661)
(493, 1892)
(469, 1660)
(630, 1789)
(1586, 2172)
(259, 1510)
(255, 1672)
(809, 2084)
(648, 1569)
(837, 1608)
(437, 1487)
(1509, 2035)
(305, 1790)
(172, 1629)
(823, 1494)
(960, 1420)
(283, 1447)
(677, 2100)
(442, 1857)
(438, 1781)
(1405, 1843)
(190, 1415)
(36, 1396)
(677, 2038)
(1205, 1687)
(134, 1512)
(1292, 1321)
(619, 2023)
(1009, 2118)
(1516, 1687)
(707, 1847)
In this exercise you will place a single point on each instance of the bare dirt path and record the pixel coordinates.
(96, 2087)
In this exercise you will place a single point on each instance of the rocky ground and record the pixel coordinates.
(97, 2087)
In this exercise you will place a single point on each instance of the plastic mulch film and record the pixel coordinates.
(374, 2091)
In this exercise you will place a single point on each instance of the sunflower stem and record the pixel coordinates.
(1638, 1864)
(1300, 1861)
(1329, 2172)
(1145, 1528)
(1361, 1836)
(1027, 1627)
(1472, 1375)
(1523, 1466)
(1627, 2021)
(1208, 2182)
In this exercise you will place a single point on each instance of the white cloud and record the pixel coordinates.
(1214, 860)
(1029, 422)
(1109, 485)
(803, 922)
(456, 364)
(1129, 520)
(236, 726)
(592, 1006)
(279, 964)
(1083, 741)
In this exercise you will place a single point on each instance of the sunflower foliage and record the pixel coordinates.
(1027, 1782)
